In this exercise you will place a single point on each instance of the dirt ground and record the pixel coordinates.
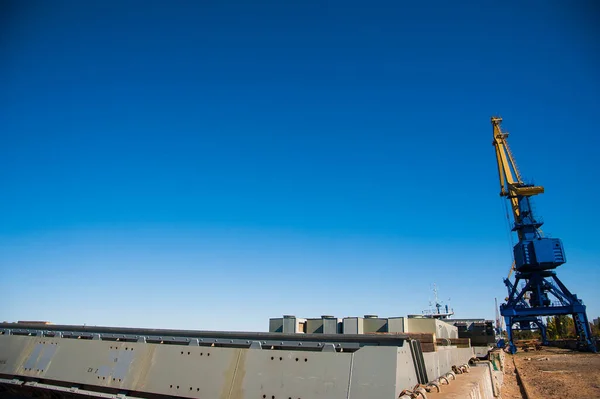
(510, 387)
(552, 373)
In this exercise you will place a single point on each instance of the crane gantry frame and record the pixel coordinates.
(535, 258)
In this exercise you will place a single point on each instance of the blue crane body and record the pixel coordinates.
(535, 259)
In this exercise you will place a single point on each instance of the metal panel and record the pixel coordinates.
(86, 361)
(396, 324)
(33, 357)
(200, 372)
(14, 353)
(290, 324)
(331, 325)
(406, 376)
(440, 362)
(296, 374)
(419, 363)
(276, 325)
(314, 326)
(353, 325)
(374, 373)
(122, 362)
(372, 324)
(47, 354)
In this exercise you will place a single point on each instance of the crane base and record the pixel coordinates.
(541, 286)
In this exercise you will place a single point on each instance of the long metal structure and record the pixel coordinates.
(535, 258)
(61, 361)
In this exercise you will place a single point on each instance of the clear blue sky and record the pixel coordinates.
(212, 164)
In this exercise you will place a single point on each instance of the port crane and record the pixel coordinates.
(535, 259)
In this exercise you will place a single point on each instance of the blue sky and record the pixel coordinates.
(212, 164)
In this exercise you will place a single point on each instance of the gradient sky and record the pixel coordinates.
(211, 164)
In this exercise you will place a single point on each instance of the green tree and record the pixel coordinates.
(526, 334)
(595, 328)
(560, 327)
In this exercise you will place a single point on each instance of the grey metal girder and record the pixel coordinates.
(109, 362)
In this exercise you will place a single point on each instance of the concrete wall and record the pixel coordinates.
(477, 384)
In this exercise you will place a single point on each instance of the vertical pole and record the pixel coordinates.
(511, 345)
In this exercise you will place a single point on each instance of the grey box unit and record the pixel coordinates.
(314, 326)
(374, 324)
(293, 324)
(276, 325)
(324, 325)
(397, 324)
(353, 325)
(331, 325)
(287, 324)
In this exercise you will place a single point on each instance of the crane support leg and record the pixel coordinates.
(525, 314)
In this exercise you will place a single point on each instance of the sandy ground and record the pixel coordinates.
(553, 373)
(510, 386)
